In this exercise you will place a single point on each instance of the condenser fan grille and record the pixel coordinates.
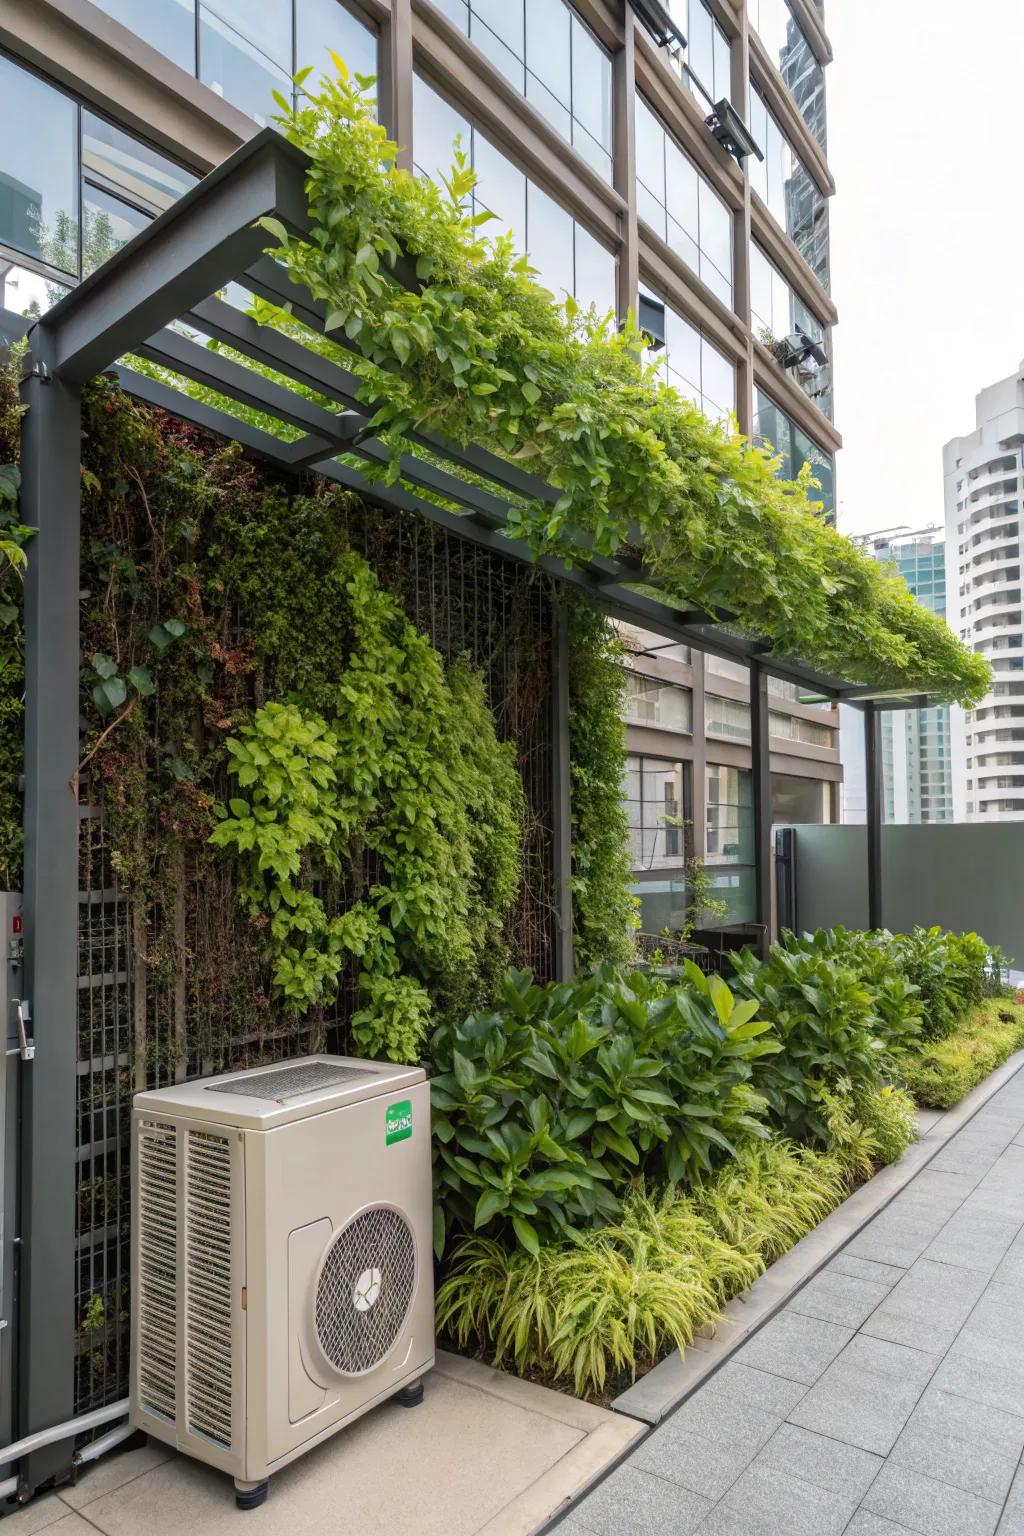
(365, 1290)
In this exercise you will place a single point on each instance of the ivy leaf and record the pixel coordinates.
(104, 665)
(175, 627)
(531, 392)
(109, 694)
(141, 680)
(239, 808)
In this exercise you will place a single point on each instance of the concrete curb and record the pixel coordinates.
(677, 1376)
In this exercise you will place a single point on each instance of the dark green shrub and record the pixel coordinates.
(951, 971)
(549, 1108)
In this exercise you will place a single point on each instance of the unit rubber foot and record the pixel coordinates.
(410, 1396)
(251, 1495)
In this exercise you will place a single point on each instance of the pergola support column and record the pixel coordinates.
(762, 799)
(51, 504)
(875, 810)
(561, 794)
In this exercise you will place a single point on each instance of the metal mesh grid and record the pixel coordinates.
(292, 1082)
(156, 1004)
(365, 1290)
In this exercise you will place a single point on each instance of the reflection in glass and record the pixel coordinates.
(113, 158)
(784, 185)
(26, 293)
(108, 223)
(774, 429)
(39, 181)
(694, 366)
(322, 25)
(167, 25)
(681, 206)
(234, 67)
(789, 50)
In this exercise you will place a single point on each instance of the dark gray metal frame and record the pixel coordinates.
(172, 271)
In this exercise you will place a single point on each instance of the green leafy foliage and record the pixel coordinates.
(824, 1017)
(952, 973)
(480, 352)
(14, 535)
(944, 1070)
(547, 1109)
(593, 1312)
(604, 911)
(405, 775)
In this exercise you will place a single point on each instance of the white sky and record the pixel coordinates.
(926, 130)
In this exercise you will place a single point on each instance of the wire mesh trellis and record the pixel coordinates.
(154, 993)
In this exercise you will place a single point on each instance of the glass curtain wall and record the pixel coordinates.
(649, 701)
(245, 49)
(704, 63)
(659, 808)
(691, 364)
(544, 50)
(777, 311)
(568, 258)
(790, 51)
(774, 429)
(786, 188)
(72, 191)
(730, 839)
(681, 206)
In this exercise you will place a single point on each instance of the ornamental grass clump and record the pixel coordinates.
(475, 350)
(944, 1070)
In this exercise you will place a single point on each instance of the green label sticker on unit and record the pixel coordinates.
(398, 1121)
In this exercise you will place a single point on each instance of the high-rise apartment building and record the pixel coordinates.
(916, 746)
(603, 137)
(983, 486)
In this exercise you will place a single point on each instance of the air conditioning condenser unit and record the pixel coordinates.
(282, 1278)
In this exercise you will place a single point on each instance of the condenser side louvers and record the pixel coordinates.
(158, 1267)
(209, 1363)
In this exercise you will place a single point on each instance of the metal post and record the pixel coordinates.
(396, 79)
(561, 794)
(875, 810)
(50, 504)
(623, 94)
(760, 763)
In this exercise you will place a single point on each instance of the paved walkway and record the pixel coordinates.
(887, 1396)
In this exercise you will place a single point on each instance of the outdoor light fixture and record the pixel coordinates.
(656, 18)
(731, 131)
(650, 316)
(799, 348)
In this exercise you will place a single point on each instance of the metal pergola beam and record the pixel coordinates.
(761, 784)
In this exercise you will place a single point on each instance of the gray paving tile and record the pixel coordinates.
(892, 1240)
(703, 1465)
(929, 1306)
(973, 1240)
(926, 1505)
(715, 1415)
(775, 1395)
(845, 1263)
(795, 1346)
(836, 1298)
(1011, 1269)
(1012, 1522)
(867, 1394)
(956, 1441)
(829, 1464)
(981, 1381)
(864, 1523)
(944, 1181)
(630, 1503)
(768, 1502)
(997, 1314)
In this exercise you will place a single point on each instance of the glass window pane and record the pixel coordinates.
(715, 229)
(549, 242)
(595, 271)
(108, 224)
(700, 55)
(548, 48)
(134, 169)
(39, 182)
(682, 344)
(505, 19)
(723, 69)
(505, 59)
(436, 126)
(681, 186)
(266, 23)
(456, 11)
(168, 25)
(591, 151)
(760, 290)
(26, 293)
(326, 24)
(237, 70)
(548, 106)
(650, 150)
(718, 379)
(591, 85)
(502, 189)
